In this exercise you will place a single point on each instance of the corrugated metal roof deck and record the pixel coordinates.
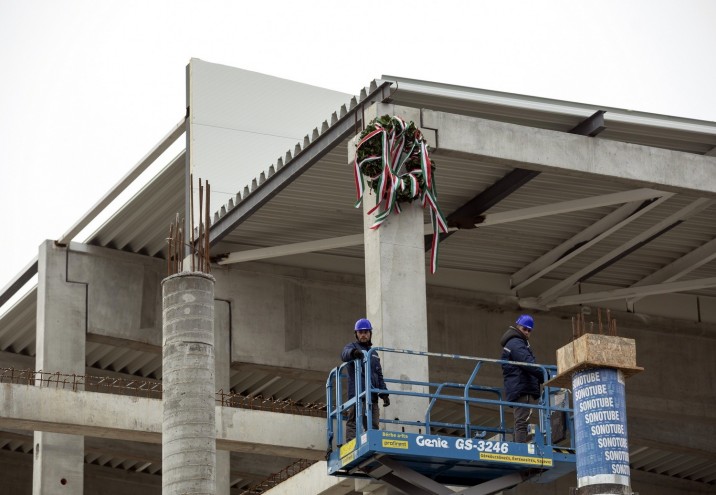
(319, 205)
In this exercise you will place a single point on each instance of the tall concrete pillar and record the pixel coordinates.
(222, 327)
(188, 369)
(58, 465)
(595, 366)
(396, 302)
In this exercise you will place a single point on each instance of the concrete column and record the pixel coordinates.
(600, 426)
(58, 466)
(188, 421)
(396, 302)
(222, 350)
(595, 366)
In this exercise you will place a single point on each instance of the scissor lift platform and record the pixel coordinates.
(425, 455)
(448, 460)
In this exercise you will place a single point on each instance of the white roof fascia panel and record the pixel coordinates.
(552, 106)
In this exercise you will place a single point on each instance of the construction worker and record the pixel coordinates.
(357, 350)
(522, 383)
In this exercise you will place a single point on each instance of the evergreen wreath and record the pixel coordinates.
(392, 157)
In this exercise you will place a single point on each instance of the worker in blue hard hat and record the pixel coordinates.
(522, 383)
(354, 353)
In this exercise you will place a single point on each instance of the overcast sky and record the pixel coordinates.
(88, 87)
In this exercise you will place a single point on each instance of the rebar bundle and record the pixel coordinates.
(608, 327)
(199, 241)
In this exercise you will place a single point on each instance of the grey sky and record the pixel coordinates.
(89, 87)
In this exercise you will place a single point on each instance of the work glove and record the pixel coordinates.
(357, 354)
(386, 400)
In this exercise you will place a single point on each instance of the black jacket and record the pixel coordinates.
(376, 370)
(519, 380)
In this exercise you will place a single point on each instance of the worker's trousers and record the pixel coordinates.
(522, 417)
(351, 423)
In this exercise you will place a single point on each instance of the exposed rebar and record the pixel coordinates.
(579, 325)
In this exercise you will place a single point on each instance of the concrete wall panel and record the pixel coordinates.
(707, 309)
(278, 319)
(330, 309)
(669, 305)
(123, 292)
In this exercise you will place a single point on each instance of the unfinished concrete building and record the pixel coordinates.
(555, 208)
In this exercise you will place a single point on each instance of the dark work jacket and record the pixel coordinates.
(519, 380)
(376, 370)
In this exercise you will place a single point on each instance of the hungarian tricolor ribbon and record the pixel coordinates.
(392, 157)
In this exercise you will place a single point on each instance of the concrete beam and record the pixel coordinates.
(563, 153)
(247, 466)
(26, 407)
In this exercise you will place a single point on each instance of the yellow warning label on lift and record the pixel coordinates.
(349, 458)
(348, 447)
(515, 458)
(395, 444)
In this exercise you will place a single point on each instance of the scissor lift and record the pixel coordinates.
(423, 457)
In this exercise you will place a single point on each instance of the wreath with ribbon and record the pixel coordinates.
(392, 156)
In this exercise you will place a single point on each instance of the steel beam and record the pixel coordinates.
(31, 269)
(591, 126)
(628, 247)
(289, 249)
(582, 241)
(490, 219)
(466, 216)
(569, 206)
(18, 281)
(629, 292)
(680, 267)
(125, 181)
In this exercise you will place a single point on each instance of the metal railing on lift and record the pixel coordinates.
(552, 400)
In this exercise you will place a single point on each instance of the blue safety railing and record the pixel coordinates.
(552, 401)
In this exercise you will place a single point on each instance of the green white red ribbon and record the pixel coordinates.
(397, 147)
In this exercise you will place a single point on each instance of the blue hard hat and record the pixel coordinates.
(525, 321)
(363, 324)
